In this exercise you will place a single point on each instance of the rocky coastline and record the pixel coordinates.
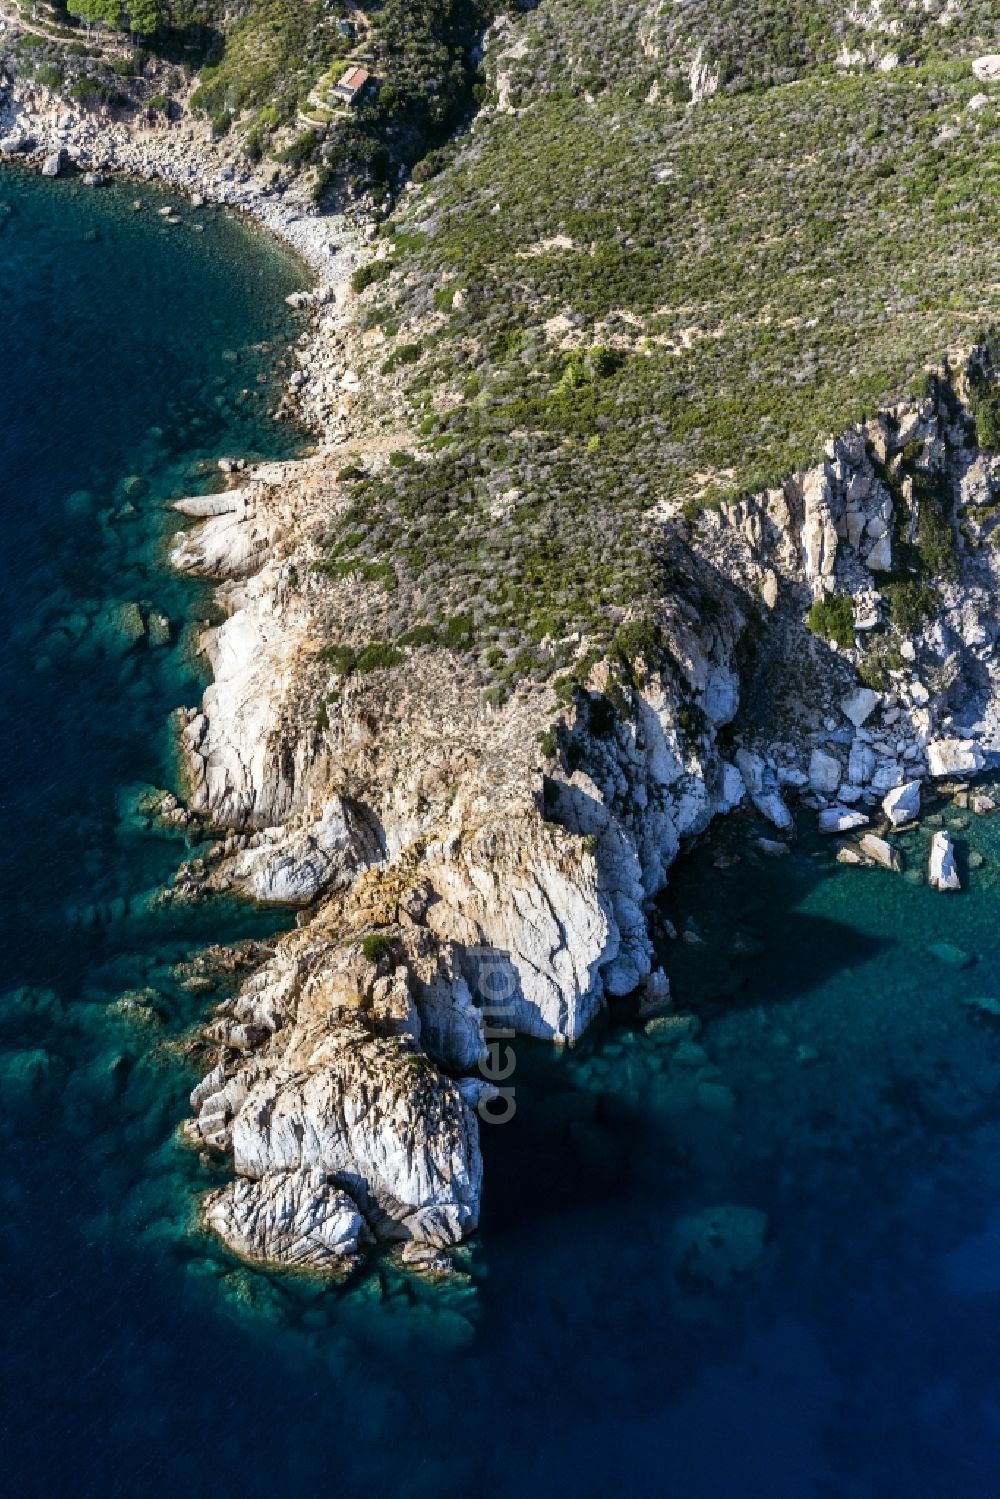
(467, 872)
(446, 861)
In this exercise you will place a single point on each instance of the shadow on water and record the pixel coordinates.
(746, 942)
(745, 933)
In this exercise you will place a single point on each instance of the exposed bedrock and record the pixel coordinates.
(463, 878)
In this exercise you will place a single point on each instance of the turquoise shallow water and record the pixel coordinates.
(829, 1098)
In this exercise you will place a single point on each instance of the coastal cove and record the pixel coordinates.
(822, 1106)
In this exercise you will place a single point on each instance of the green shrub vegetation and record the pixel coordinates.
(371, 273)
(376, 946)
(984, 394)
(665, 306)
(911, 605)
(832, 617)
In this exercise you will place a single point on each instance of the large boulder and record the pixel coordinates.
(862, 763)
(942, 873)
(299, 1219)
(840, 820)
(888, 774)
(859, 705)
(902, 805)
(955, 757)
(762, 784)
(877, 851)
(824, 773)
(987, 69)
(818, 535)
(53, 164)
(879, 559)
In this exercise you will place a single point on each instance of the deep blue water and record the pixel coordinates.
(834, 1086)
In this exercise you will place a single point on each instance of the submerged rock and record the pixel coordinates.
(942, 870)
(24, 1074)
(121, 627)
(951, 955)
(772, 847)
(983, 1004)
(717, 1246)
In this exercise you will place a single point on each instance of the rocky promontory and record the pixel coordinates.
(467, 865)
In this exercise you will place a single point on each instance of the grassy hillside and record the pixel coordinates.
(609, 303)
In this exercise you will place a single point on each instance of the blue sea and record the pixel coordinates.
(754, 1252)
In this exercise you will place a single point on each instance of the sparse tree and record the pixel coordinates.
(93, 12)
(145, 16)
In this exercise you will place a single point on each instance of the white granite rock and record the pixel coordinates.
(761, 783)
(955, 757)
(859, 706)
(824, 773)
(902, 804)
(878, 851)
(733, 788)
(879, 559)
(942, 871)
(298, 1219)
(987, 68)
(862, 763)
(840, 820)
(889, 773)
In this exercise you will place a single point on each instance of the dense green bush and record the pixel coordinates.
(379, 656)
(984, 393)
(371, 273)
(832, 617)
(935, 539)
(342, 658)
(300, 150)
(911, 605)
(377, 945)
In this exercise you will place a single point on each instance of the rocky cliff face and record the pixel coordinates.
(461, 877)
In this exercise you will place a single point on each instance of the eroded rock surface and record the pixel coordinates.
(495, 883)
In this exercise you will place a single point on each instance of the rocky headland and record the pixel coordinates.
(457, 874)
(469, 868)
